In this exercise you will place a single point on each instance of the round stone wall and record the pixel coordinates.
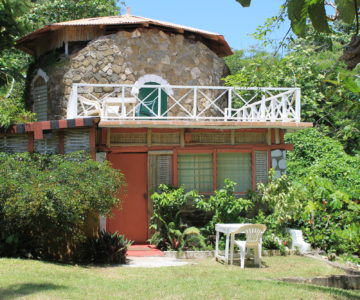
(124, 57)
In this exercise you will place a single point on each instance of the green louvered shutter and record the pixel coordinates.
(195, 172)
(150, 97)
(235, 166)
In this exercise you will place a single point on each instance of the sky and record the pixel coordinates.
(226, 17)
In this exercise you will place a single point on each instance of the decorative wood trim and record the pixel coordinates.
(93, 143)
(31, 142)
(268, 137)
(148, 137)
(277, 136)
(61, 142)
(182, 138)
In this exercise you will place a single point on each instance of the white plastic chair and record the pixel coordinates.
(89, 107)
(253, 234)
(116, 106)
(298, 241)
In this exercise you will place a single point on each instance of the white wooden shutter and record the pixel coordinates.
(14, 143)
(160, 171)
(40, 107)
(261, 166)
(76, 140)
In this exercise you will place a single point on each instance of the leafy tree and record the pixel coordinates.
(46, 199)
(20, 17)
(299, 11)
(329, 92)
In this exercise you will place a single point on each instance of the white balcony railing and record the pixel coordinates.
(190, 103)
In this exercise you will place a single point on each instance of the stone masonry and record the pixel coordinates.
(124, 57)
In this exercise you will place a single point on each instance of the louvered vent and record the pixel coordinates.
(250, 137)
(47, 145)
(261, 166)
(40, 102)
(210, 138)
(160, 171)
(14, 143)
(76, 140)
(165, 138)
(138, 138)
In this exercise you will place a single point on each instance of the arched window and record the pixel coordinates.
(154, 99)
(40, 95)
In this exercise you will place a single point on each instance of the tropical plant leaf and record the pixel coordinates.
(317, 16)
(244, 3)
(297, 15)
(346, 10)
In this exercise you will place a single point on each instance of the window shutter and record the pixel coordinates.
(261, 166)
(236, 167)
(76, 140)
(195, 172)
(40, 102)
(47, 146)
(160, 171)
(14, 143)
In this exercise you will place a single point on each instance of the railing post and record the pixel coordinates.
(297, 105)
(123, 114)
(262, 109)
(195, 104)
(229, 103)
(72, 112)
(159, 103)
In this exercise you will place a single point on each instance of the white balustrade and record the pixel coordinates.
(189, 103)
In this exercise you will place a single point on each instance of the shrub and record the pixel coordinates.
(46, 199)
(193, 240)
(166, 220)
(224, 206)
(106, 248)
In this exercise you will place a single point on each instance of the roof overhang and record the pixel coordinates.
(214, 41)
(205, 124)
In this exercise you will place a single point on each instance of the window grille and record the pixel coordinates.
(172, 138)
(195, 172)
(160, 171)
(211, 138)
(236, 167)
(47, 145)
(250, 137)
(138, 138)
(14, 143)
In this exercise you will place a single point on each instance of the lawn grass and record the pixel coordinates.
(201, 279)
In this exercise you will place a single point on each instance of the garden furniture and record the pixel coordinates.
(253, 241)
(228, 230)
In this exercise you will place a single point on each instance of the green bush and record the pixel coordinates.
(193, 240)
(166, 221)
(224, 206)
(45, 201)
(106, 248)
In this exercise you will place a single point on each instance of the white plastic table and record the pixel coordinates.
(228, 230)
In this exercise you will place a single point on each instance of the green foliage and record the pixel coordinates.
(224, 206)
(106, 248)
(299, 11)
(167, 211)
(45, 12)
(46, 199)
(20, 17)
(329, 93)
(193, 240)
